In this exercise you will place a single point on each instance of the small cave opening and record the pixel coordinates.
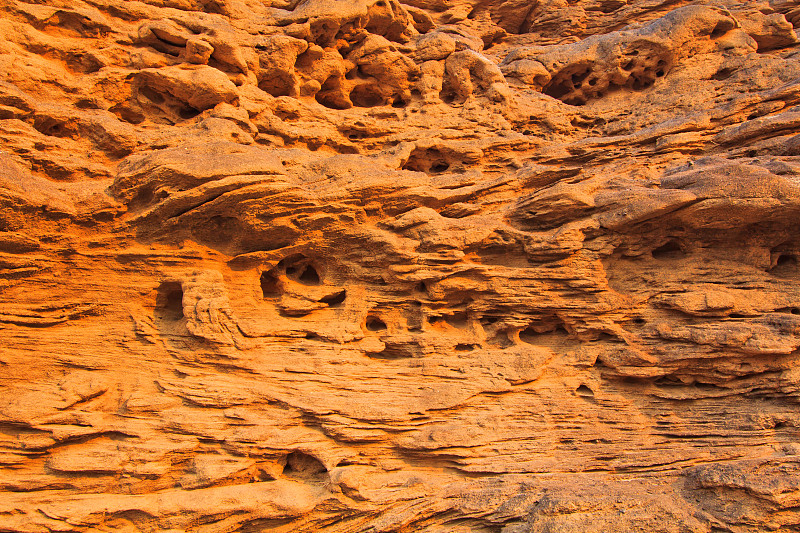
(528, 335)
(375, 324)
(458, 319)
(169, 300)
(785, 265)
(304, 466)
(558, 88)
(335, 298)
(269, 284)
(544, 333)
(669, 250)
(721, 29)
(188, 112)
(439, 166)
(309, 275)
(584, 391)
(723, 74)
(366, 95)
(151, 94)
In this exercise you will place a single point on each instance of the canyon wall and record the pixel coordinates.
(371, 266)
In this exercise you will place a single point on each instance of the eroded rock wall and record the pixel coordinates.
(441, 266)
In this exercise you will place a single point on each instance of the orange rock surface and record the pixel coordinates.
(373, 266)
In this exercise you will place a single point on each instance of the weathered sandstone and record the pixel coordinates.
(435, 265)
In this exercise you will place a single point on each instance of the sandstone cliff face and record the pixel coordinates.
(442, 265)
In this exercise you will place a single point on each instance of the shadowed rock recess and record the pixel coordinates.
(379, 266)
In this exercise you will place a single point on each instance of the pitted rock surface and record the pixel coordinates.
(435, 265)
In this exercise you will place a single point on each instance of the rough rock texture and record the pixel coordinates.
(442, 266)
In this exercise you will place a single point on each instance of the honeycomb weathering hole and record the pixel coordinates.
(304, 466)
(269, 284)
(169, 300)
(375, 324)
(670, 249)
(366, 95)
(335, 298)
(309, 275)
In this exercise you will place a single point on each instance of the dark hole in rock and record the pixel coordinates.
(629, 65)
(640, 83)
(421, 287)
(639, 321)
(786, 260)
(311, 335)
(668, 250)
(152, 95)
(169, 300)
(85, 103)
(375, 324)
(660, 73)
(392, 352)
(144, 197)
(559, 88)
(578, 77)
(720, 29)
(610, 7)
(737, 315)
(335, 298)
(461, 347)
(458, 319)
(487, 320)
(399, 102)
(269, 284)
(668, 381)
(187, 112)
(592, 81)
(585, 391)
(366, 95)
(439, 166)
(309, 275)
(291, 270)
(448, 97)
(128, 114)
(528, 335)
(304, 466)
(723, 74)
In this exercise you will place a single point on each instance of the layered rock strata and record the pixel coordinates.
(437, 266)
